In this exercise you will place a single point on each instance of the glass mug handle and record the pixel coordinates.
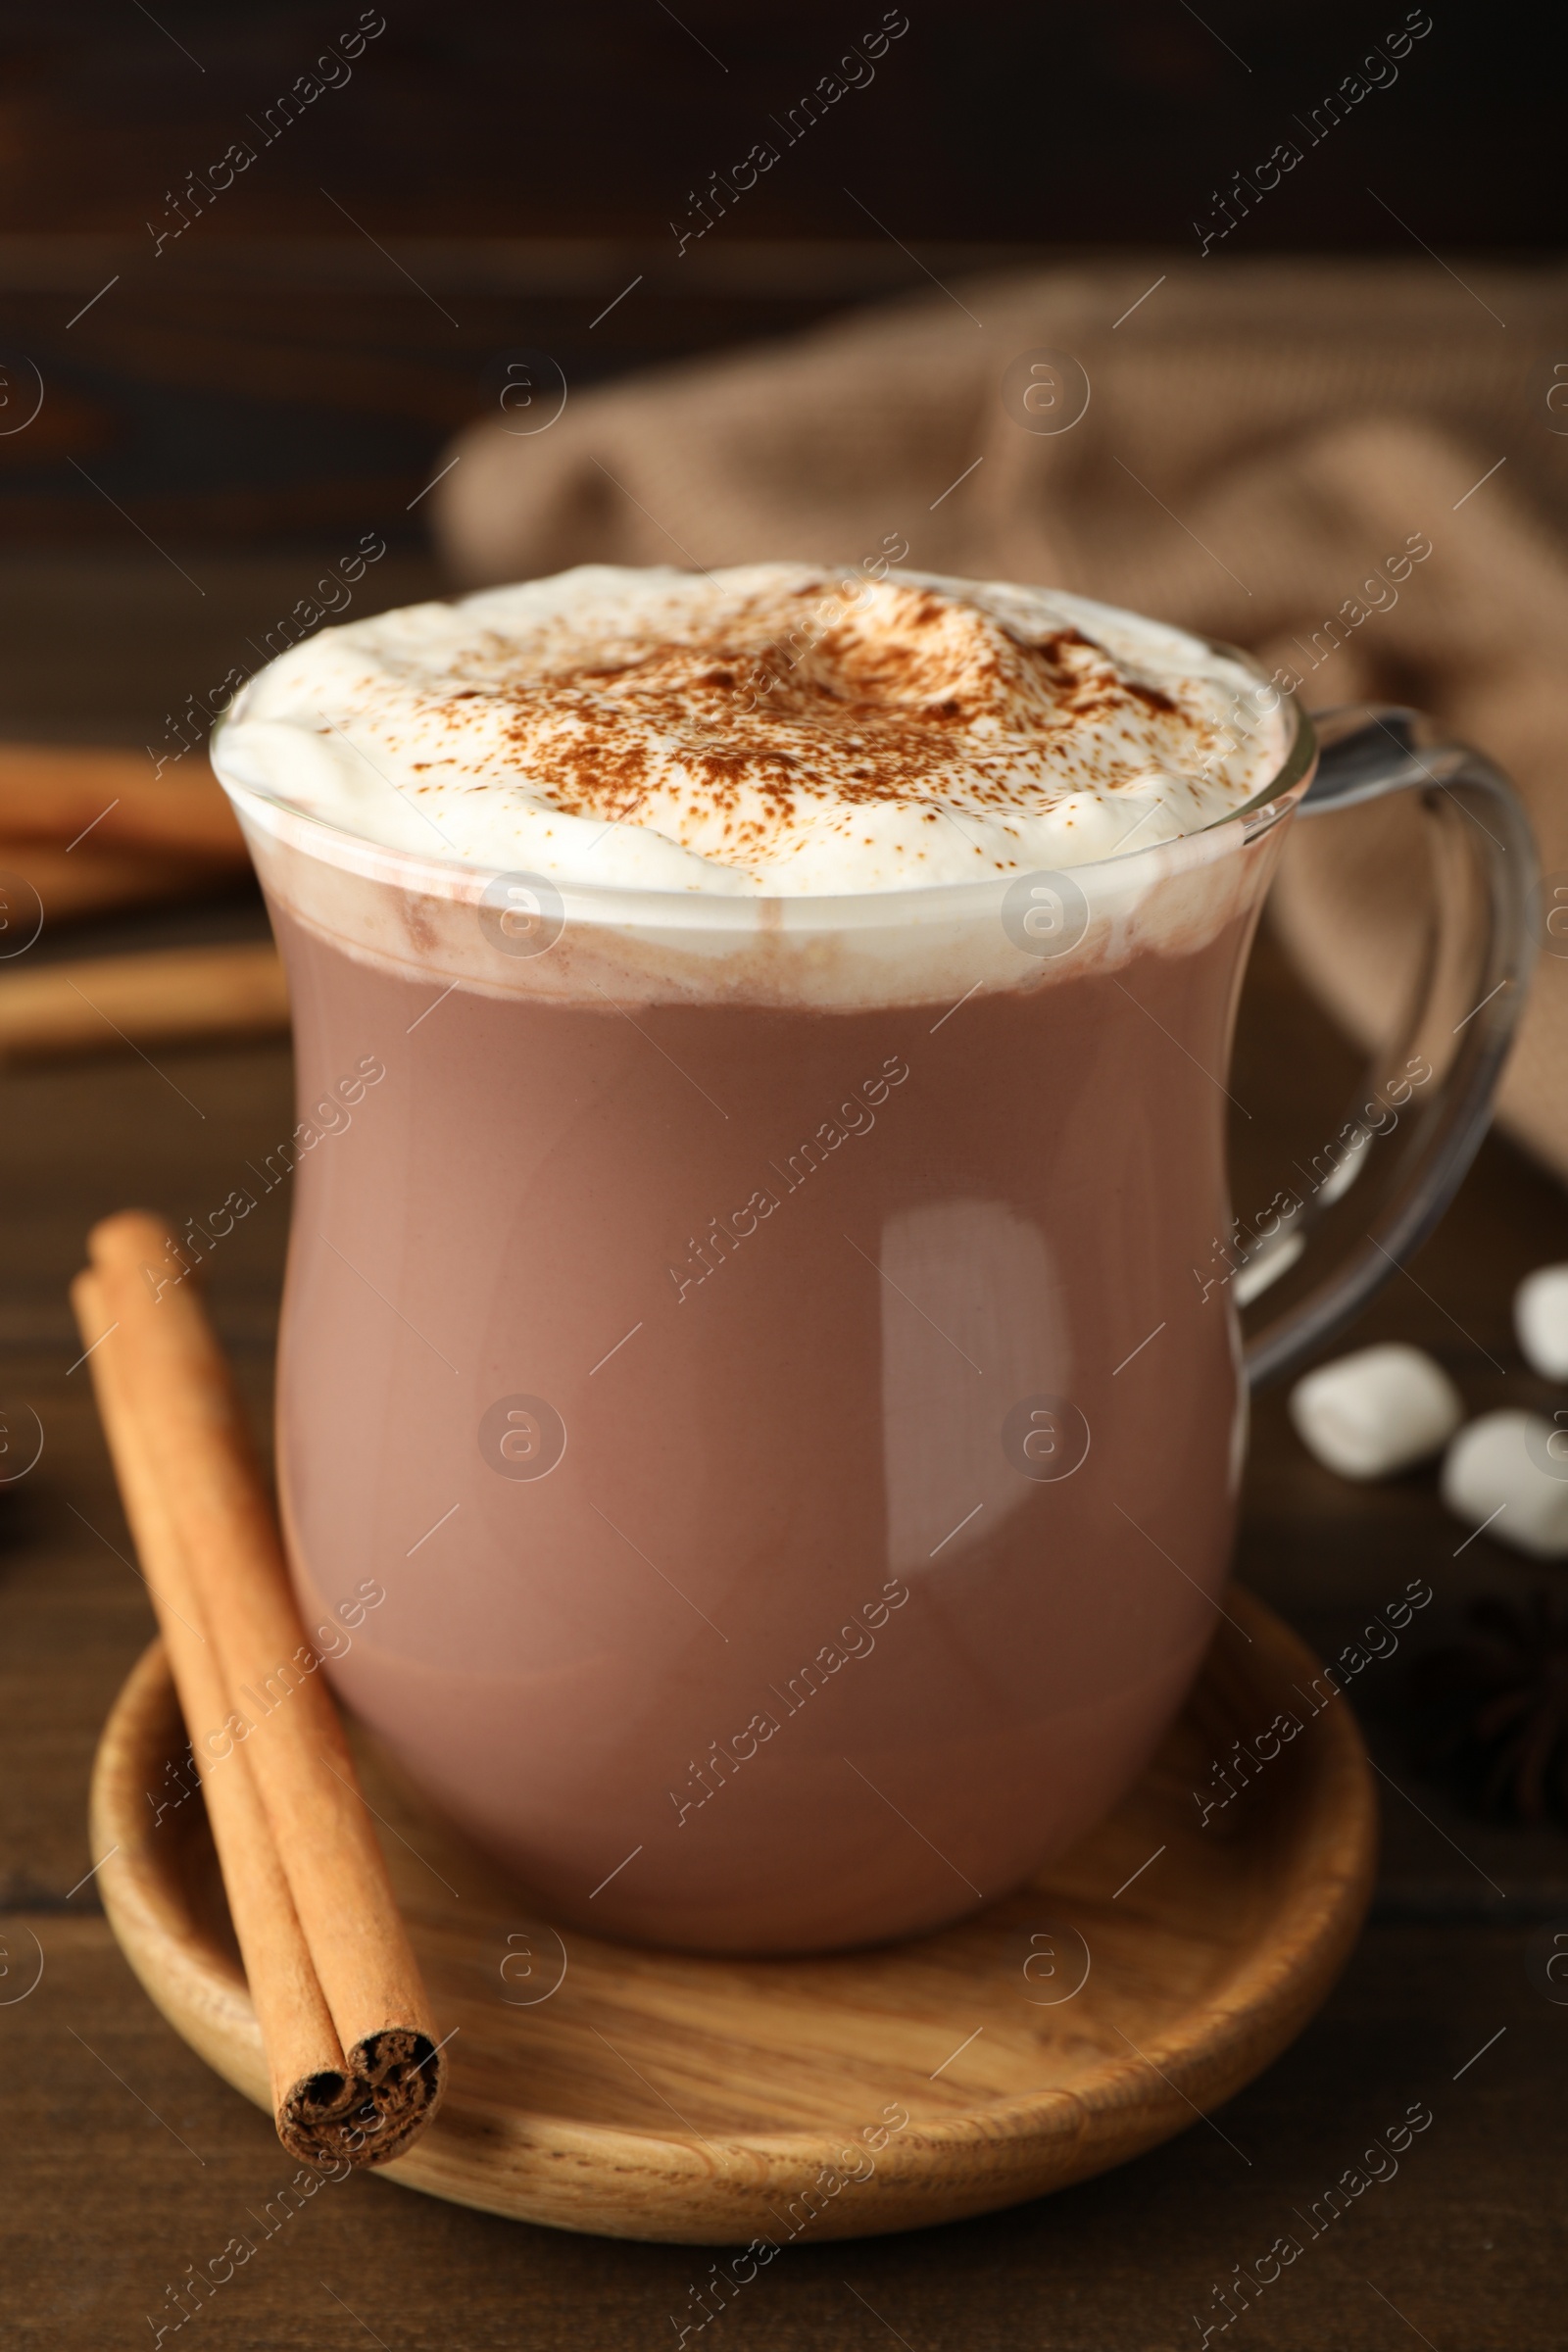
(1367, 751)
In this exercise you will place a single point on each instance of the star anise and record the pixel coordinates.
(1494, 1711)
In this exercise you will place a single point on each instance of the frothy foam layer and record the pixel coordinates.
(773, 730)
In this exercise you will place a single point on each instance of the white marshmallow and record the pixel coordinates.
(1512, 1469)
(1541, 1321)
(1370, 1414)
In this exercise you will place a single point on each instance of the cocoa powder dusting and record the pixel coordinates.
(767, 714)
(777, 728)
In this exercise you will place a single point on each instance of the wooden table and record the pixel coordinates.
(124, 2160)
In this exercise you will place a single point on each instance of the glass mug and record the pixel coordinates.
(774, 1367)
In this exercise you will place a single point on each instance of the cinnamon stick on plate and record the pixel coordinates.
(192, 1432)
(316, 2100)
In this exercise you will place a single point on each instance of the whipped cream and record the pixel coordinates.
(770, 730)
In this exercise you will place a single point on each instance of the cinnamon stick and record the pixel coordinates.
(199, 1453)
(67, 884)
(172, 995)
(70, 792)
(315, 2099)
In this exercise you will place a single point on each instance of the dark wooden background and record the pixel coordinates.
(491, 177)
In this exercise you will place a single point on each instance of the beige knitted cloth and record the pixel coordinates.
(1259, 440)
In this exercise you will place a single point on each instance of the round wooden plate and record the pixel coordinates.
(634, 2094)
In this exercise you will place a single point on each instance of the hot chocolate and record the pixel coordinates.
(750, 1333)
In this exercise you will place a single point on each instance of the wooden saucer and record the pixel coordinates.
(633, 2093)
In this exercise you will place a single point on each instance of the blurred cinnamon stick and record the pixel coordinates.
(40, 876)
(317, 2102)
(172, 996)
(198, 1456)
(76, 793)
